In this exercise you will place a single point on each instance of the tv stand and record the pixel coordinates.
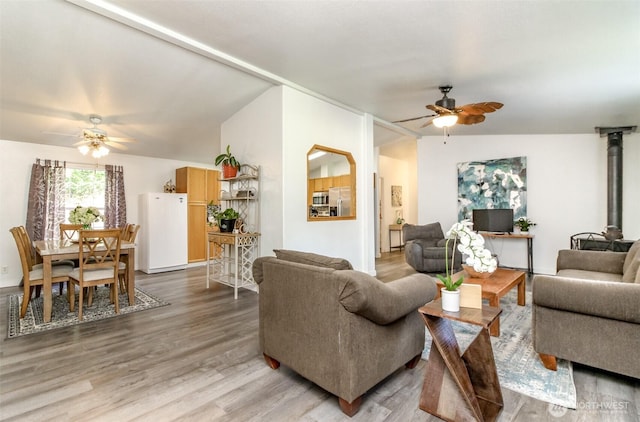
(527, 236)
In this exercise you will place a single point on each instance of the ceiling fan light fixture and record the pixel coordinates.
(100, 152)
(84, 149)
(97, 149)
(445, 120)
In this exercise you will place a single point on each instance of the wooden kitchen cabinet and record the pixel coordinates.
(201, 186)
(323, 184)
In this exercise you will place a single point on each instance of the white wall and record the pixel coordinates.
(276, 131)
(309, 121)
(566, 187)
(141, 174)
(255, 136)
(397, 172)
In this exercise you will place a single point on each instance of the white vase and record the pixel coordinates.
(450, 300)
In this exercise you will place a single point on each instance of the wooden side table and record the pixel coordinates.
(460, 387)
(395, 228)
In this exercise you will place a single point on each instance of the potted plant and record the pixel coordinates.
(450, 293)
(212, 211)
(229, 164)
(227, 220)
(523, 223)
(479, 259)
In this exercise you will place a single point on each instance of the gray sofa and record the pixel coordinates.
(424, 248)
(589, 312)
(342, 329)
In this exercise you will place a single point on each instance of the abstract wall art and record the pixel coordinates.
(499, 183)
(396, 196)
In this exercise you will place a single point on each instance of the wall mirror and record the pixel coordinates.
(331, 184)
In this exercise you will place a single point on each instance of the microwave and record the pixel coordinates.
(320, 198)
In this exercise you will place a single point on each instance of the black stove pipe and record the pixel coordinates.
(614, 179)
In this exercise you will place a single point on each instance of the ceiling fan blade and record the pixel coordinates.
(84, 141)
(115, 145)
(122, 140)
(481, 108)
(439, 109)
(75, 135)
(413, 118)
(427, 123)
(469, 119)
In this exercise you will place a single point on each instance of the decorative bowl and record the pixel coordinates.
(475, 274)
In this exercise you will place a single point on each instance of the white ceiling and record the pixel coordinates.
(168, 73)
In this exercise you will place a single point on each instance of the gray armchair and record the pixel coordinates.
(342, 329)
(424, 248)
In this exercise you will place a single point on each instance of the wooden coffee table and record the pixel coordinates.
(495, 287)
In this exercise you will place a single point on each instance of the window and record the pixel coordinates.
(84, 187)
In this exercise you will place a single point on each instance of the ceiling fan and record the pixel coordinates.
(447, 114)
(95, 140)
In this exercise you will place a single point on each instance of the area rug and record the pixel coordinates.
(519, 368)
(101, 308)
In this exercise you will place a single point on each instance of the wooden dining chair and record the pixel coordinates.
(33, 278)
(99, 258)
(28, 246)
(69, 231)
(129, 234)
(125, 230)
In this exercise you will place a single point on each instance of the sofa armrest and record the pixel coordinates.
(601, 261)
(606, 299)
(384, 303)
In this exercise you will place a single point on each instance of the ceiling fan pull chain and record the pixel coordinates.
(445, 134)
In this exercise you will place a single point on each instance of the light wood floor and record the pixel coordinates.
(198, 360)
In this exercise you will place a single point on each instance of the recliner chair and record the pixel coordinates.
(424, 248)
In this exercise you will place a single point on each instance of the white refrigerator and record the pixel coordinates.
(163, 232)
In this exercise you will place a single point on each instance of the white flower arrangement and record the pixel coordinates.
(84, 215)
(470, 244)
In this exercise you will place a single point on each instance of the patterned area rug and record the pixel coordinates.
(101, 308)
(519, 368)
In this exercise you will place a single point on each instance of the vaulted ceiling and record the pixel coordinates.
(168, 73)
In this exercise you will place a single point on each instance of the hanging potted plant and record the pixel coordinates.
(229, 164)
(227, 220)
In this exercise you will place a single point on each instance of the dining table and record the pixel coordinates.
(51, 250)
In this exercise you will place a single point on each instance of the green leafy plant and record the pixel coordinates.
(523, 223)
(447, 279)
(228, 214)
(227, 159)
(212, 211)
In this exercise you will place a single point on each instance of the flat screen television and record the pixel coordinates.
(493, 220)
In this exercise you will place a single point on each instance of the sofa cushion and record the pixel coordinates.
(596, 298)
(431, 231)
(632, 273)
(313, 259)
(384, 303)
(589, 275)
(632, 254)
